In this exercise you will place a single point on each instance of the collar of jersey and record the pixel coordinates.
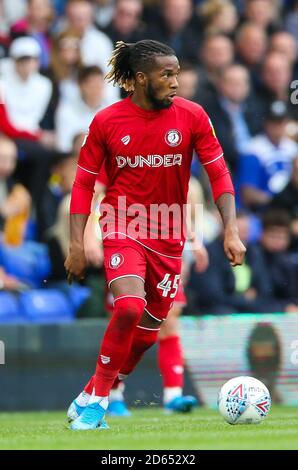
(147, 113)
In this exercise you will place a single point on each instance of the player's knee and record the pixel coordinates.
(129, 310)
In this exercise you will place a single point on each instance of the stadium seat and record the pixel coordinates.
(29, 262)
(46, 306)
(9, 308)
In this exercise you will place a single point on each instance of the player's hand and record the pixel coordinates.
(201, 258)
(234, 248)
(75, 264)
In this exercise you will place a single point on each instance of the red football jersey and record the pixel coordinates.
(147, 157)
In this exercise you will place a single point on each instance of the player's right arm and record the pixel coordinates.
(91, 158)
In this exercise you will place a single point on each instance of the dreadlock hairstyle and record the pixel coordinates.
(130, 58)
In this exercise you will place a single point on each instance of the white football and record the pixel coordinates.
(244, 400)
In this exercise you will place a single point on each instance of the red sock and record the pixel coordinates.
(170, 361)
(89, 386)
(117, 341)
(143, 339)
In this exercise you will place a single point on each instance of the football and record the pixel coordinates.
(244, 400)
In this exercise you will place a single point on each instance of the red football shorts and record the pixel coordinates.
(160, 274)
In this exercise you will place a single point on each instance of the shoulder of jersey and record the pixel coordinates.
(187, 104)
(111, 110)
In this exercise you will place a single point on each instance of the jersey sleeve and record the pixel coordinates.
(91, 158)
(211, 155)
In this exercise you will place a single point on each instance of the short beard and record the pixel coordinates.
(156, 103)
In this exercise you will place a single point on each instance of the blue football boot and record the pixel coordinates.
(92, 417)
(118, 408)
(183, 404)
(74, 411)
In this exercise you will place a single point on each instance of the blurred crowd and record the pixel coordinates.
(238, 59)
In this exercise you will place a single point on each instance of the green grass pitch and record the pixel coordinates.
(151, 429)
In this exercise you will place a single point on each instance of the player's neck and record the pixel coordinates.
(141, 101)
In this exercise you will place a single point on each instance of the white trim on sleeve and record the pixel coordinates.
(211, 161)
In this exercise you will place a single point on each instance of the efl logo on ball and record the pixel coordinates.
(244, 400)
(116, 260)
(173, 137)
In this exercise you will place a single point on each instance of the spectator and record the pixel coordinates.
(37, 23)
(264, 283)
(234, 114)
(285, 44)
(276, 80)
(27, 93)
(96, 47)
(10, 12)
(57, 240)
(103, 12)
(65, 64)
(27, 98)
(15, 201)
(188, 81)
(126, 24)
(218, 17)
(281, 265)
(264, 169)
(74, 117)
(80, 17)
(291, 21)
(288, 197)
(58, 186)
(251, 45)
(216, 53)
(175, 29)
(264, 13)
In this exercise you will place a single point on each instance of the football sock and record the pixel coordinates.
(169, 393)
(103, 401)
(89, 386)
(143, 339)
(116, 393)
(170, 361)
(117, 341)
(83, 399)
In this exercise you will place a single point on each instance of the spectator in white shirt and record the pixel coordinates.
(96, 47)
(27, 93)
(74, 117)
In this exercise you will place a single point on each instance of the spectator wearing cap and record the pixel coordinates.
(27, 93)
(265, 167)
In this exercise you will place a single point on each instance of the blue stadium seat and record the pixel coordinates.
(29, 262)
(9, 308)
(46, 306)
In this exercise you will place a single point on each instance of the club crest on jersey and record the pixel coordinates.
(126, 139)
(173, 137)
(116, 260)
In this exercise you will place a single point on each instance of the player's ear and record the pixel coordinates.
(141, 78)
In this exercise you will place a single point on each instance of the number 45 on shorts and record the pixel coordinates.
(167, 285)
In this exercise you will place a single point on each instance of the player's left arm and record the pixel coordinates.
(211, 156)
(233, 246)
